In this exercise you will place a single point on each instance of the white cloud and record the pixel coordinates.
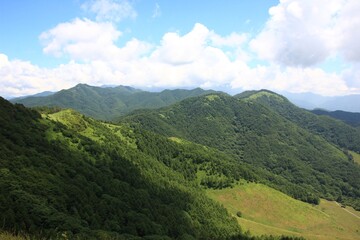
(292, 79)
(233, 40)
(352, 76)
(157, 11)
(298, 33)
(198, 58)
(177, 50)
(347, 30)
(305, 33)
(81, 39)
(110, 10)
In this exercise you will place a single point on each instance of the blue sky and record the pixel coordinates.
(288, 45)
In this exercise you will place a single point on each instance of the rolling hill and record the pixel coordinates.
(108, 103)
(257, 134)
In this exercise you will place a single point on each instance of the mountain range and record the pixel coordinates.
(147, 174)
(348, 103)
(115, 101)
(108, 103)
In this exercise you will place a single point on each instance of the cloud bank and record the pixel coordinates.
(298, 36)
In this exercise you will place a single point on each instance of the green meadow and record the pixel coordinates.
(356, 157)
(268, 211)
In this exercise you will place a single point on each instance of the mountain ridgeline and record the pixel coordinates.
(254, 128)
(108, 103)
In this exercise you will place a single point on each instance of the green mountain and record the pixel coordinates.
(334, 131)
(254, 132)
(66, 176)
(350, 118)
(108, 103)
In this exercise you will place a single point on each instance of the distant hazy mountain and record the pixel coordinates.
(42, 94)
(108, 103)
(349, 103)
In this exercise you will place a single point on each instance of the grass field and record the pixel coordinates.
(267, 211)
(356, 157)
(9, 236)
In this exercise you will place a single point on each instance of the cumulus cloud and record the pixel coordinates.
(176, 49)
(352, 76)
(291, 79)
(110, 10)
(305, 33)
(347, 30)
(298, 33)
(200, 57)
(81, 39)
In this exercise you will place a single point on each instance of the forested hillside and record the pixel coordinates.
(67, 175)
(331, 129)
(256, 134)
(350, 118)
(109, 103)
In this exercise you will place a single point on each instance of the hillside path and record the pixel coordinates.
(347, 210)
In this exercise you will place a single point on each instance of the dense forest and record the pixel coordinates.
(332, 130)
(63, 175)
(257, 134)
(350, 118)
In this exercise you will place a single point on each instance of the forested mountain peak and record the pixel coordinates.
(262, 94)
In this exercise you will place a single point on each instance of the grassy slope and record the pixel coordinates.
(9, 236)
(356, 157)
(267, 211)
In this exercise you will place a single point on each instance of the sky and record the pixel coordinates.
(296, 46)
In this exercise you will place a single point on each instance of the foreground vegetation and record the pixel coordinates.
(55, 181)
(66, 176)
